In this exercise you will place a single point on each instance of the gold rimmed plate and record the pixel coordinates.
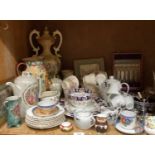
(40, 113)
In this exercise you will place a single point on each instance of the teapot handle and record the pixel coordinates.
(35, 49)
(17, 68)
(127, 85)
(56, 49)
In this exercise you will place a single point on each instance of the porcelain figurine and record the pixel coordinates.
(26, 87)
(52, 61)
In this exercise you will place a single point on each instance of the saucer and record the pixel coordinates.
(149, 130)
(92, 107)
(127, 131)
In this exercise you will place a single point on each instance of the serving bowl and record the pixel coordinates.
(80, 97)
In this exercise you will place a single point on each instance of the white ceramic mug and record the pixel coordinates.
(128, 119)
(89, 79)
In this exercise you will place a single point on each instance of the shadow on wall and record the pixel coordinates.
(13, 47)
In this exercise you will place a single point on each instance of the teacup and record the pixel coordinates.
(150, 122)
(46, 106)
(50, 95)
(70, 82)
(128, 119)
(89, 79)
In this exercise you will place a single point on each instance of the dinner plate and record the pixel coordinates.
(45, 126)
(137, 130)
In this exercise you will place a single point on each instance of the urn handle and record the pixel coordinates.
(35, 49)
(56, 49)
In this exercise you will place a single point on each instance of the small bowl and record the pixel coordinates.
(66, 126)
(46, 106)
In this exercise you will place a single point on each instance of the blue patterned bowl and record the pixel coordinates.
(80, 97)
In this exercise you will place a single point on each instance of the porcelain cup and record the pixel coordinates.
(150, 122)
(89, 79)
(128, 119)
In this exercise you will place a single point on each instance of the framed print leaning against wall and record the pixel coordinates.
(86, 66)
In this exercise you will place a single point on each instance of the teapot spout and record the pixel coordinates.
(16, 90)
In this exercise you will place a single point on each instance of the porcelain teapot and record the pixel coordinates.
(117, 98)
(115, 86)
(26, 87)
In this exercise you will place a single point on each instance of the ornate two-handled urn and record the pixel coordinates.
(52, 61)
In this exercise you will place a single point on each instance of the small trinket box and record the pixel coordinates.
(66, 126)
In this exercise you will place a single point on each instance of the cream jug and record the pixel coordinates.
(26, 87)
(83, 119)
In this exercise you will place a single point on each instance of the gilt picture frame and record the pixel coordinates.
(83, 67)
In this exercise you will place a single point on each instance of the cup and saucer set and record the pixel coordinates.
(128, 123)
(80, 99)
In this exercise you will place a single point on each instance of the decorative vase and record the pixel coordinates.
(35, 66)
(52, 61)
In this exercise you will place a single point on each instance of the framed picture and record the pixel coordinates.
(86, 66)
(127, 67)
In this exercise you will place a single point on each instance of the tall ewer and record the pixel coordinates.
(52, 61)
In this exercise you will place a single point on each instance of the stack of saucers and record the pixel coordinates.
(35, 119)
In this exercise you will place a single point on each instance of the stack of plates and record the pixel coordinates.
(33, 120)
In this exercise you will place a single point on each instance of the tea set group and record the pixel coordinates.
(95, 103)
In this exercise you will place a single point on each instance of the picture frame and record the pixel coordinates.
(83, 67)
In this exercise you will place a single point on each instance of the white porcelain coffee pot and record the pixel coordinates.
(117, 98)
(115, 86)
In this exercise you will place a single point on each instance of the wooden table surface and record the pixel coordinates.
(25, 130)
